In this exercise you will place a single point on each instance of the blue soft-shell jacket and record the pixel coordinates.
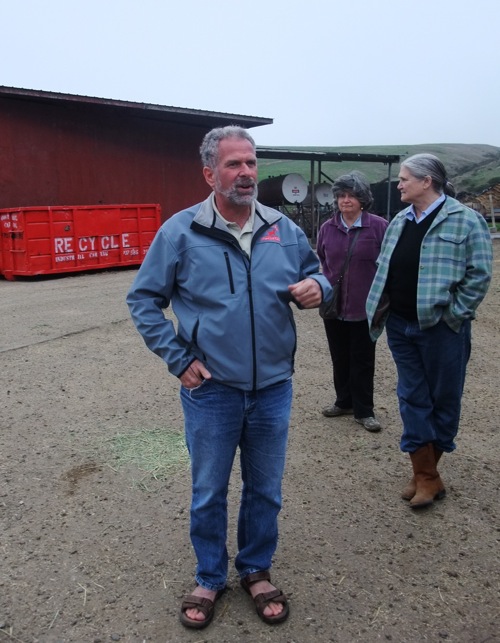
(233, 311)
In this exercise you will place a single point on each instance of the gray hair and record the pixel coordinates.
(209, 149)
(356, 184)
(422, 165)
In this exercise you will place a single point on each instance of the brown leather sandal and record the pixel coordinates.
(262, 600)
(204, 605)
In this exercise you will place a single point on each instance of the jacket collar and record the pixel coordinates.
(206, 216)
(450, 206)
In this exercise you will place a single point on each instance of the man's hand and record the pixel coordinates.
(307, 293)
(194, 375)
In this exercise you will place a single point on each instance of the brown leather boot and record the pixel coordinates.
(429, 486)
(411, 488)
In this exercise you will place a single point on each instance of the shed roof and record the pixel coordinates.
(145, 110)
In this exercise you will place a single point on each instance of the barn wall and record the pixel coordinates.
(83, 154)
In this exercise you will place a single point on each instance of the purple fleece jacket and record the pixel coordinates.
(332, 248)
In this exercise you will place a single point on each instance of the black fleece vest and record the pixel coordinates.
(404, 267)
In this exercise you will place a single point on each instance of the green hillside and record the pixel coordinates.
(472, 168)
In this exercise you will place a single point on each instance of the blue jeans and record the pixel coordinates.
(218, 420)
(431, 367)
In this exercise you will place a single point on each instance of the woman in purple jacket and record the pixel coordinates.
(351, 348)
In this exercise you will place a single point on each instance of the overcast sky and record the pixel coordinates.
(329, 72)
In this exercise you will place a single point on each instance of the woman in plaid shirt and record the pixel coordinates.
(434, 269)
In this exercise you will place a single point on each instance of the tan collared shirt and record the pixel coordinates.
(242, 235)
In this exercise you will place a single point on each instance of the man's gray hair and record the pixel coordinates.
(209, 149)
(422, 165)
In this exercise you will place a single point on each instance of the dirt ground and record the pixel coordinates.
(93, 552)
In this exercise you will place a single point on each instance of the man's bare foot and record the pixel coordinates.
(270, 603)
(262, 587)
(195, 614)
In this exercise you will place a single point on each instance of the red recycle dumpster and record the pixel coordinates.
(54, 239)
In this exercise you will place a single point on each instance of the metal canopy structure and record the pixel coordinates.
(335, 157)
(319, 157)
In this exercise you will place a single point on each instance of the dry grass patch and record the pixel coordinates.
(156, 452)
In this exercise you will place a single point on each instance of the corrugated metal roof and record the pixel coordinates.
(145, 110)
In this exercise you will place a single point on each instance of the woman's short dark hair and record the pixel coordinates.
(356, 184)
(209, 149)
(422, 165)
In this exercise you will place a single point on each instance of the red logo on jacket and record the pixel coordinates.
(272, 234)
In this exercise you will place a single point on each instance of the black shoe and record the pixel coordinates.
(370, 423)
(334, 411)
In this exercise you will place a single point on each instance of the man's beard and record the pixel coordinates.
(234, 196)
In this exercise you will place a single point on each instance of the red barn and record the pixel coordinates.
(61, 149)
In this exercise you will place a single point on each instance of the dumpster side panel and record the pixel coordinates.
(48, 240)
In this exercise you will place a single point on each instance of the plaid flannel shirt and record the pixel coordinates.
(456, 260)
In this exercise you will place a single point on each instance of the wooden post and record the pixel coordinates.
(492, 209)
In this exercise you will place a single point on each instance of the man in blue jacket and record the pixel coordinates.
(230, 267)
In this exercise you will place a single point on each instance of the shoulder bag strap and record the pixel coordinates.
(349, 254)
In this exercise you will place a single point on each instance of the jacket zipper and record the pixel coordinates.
(248, 267)
(229, 272)
(252, 324)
